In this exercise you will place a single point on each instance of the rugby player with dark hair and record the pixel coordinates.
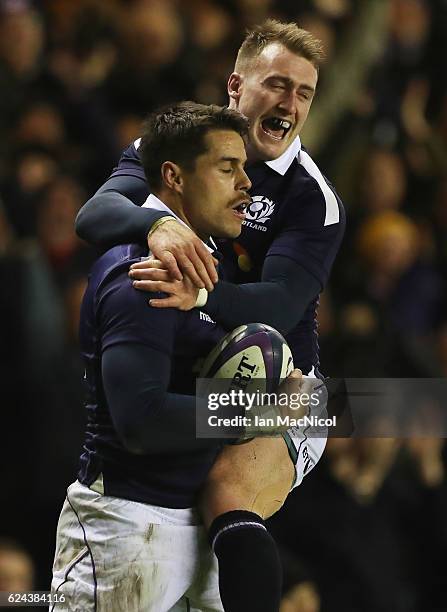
(128, 537)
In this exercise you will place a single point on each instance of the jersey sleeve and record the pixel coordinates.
(110, 217)
(124, 316)
(312, 228)
(147, 418)
(129, 163)
(137, 345)
(283, 282)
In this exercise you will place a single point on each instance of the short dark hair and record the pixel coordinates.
(295, 39)
(177, 133)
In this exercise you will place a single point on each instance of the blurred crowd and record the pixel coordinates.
(367, 531)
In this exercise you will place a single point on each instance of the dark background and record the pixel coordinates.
(368, 529)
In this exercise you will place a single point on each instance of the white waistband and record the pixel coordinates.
(155, 514)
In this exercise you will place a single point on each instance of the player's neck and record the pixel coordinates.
(176, 206)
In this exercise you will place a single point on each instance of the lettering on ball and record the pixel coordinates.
(243, 374)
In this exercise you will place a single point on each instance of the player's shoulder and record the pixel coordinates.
(116, 302)
(107, 284)
(311, 193)
(109, 274)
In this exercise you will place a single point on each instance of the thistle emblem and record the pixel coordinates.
(260, 209)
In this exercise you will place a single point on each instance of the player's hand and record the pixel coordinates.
(293, 384)
(183, 253)
(305, 393)
(182, 294)
(148, 269)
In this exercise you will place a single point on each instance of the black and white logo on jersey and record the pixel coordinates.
(205, 317)
(258, 212)
(260, 209)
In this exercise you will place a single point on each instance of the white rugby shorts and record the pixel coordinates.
(306, 443)
(116, 555)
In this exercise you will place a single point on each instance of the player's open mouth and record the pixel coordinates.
(275, 127)
(239, 209)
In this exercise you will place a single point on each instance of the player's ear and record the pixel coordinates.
(234, 86)
(172, 176)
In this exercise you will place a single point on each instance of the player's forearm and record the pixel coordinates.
(280, 300)
(233, 305)
(109, 218)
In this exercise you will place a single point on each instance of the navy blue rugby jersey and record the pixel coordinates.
(169, 480)
(294, 212)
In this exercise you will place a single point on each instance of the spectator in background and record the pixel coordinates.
(32, 168)
(57, 212)
(392, 303)
(381, 185)
(384, 181)
(16, 567)
(153, 51)
(39, 145)
(299, 588)
(405, 288)
(21, 49)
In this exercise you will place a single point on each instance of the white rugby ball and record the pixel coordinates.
(253, 356)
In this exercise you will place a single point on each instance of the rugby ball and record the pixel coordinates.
(253, 357)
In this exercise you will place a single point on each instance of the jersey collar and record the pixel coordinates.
(282, 164)
(156, 204)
